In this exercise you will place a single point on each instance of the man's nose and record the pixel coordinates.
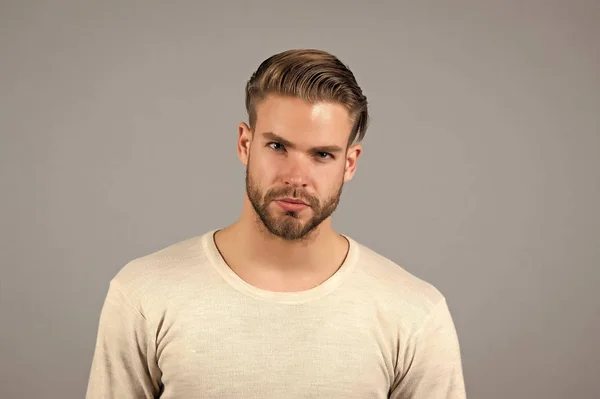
(296, 173)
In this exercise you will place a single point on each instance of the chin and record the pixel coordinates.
(300, 217)
(290, 219)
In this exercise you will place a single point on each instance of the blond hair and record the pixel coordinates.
(312, 75)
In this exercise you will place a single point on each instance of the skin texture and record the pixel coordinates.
(297, 150)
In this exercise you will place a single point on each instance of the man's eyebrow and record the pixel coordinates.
(326, 148)
(273, 137)
(333, 149)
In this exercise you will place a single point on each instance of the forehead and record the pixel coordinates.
(302, 121)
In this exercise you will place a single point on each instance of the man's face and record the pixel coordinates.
(297, 163)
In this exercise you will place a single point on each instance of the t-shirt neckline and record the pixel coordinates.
(241, 285)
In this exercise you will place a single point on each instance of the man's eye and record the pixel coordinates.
(323, 155)
(276, 146)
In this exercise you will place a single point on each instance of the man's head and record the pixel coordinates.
(307, 116)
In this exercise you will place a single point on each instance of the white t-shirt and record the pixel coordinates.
(179, 323)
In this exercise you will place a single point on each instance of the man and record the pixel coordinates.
(279, 305)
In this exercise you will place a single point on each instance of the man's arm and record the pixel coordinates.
(432, 367)
(124, 363)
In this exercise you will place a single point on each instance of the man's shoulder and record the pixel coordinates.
(396, 286)
(162, 267)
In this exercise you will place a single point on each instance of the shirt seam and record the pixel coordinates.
(418, 333)
(127, 300)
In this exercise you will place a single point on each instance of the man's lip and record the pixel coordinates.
(292, 201)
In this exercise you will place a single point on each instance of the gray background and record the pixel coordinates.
(480, 172)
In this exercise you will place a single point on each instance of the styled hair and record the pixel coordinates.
(312, 75)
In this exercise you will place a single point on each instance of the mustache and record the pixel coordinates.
(291, 192)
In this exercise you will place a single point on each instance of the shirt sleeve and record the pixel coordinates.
(124, 362)
(432, 367)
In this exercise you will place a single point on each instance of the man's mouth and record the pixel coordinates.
(292, 201)
(291, 204)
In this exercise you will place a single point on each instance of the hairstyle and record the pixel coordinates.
(312, 75)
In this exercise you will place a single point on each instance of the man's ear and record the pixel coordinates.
(244, 142)
(351, 159)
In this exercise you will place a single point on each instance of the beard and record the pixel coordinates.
(288, 225)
